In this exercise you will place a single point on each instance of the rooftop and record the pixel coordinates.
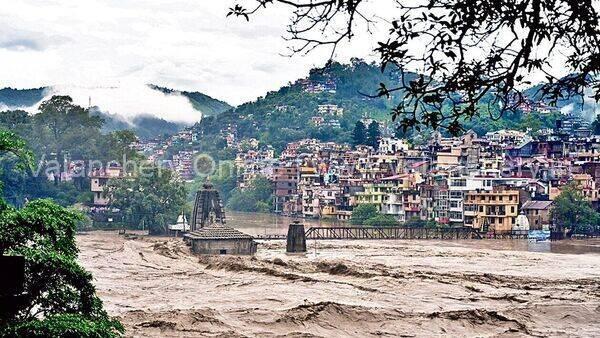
(539, 205)
(217, 232)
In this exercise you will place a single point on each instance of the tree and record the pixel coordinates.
(468, 52)
(258, 196)
(224, 180)
(18, 120)
(59, 299)
(118, 146)
(11, 144)
(382, 220)
(373, 135)
(596, 125)
(63, 132)
(152, 198)
(573, 212)
(362, 212)
(61, 127)
(416, 222)
(359, 135)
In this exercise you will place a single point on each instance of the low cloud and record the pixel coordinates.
(21, 44)
(23, 40)
(132, 99)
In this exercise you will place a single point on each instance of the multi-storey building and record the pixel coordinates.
(99, 179)
(285, 180)
(496, 210)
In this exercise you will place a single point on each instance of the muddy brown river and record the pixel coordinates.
(360, 288)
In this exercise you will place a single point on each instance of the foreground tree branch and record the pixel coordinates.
(465, 52)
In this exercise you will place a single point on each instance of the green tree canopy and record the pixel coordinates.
(60, 131)
(362, 213)
(256, 197)
(359, 134)
(152, 198)
(118, 146)
(572, 211)
(62, 126)
(59, 299)
(373, 135)
(468, 52)
(382, 220)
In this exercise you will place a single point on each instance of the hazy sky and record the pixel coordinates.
(120, 45)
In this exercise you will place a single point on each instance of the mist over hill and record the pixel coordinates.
(150, 111)
(207, 105)
(144, 126)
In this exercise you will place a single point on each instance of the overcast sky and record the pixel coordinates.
(108, 49)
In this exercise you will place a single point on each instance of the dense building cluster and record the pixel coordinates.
(481, 181)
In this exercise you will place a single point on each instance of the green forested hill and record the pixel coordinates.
(15, 98)
(285, 115)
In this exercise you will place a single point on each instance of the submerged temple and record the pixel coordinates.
(208, 208)
(208, 234)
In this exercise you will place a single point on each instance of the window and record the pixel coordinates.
(456, 194)
(459, 183)
(456, 215)
(512, 210)
(222, 252)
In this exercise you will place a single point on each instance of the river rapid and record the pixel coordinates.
(344, 288)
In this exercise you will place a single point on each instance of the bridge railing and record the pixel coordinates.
(389, 233)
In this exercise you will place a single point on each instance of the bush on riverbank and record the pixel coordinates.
(257, 197)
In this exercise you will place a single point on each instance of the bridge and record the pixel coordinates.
(326, 233)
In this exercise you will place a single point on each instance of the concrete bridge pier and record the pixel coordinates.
(296, 238)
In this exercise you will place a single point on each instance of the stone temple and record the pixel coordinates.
(208, 208)
(209, 235)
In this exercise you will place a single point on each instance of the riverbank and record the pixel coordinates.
(344, 288)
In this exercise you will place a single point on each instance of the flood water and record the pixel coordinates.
(270, 224)
(263, 224)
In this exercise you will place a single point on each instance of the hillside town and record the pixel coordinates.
(491, 182)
